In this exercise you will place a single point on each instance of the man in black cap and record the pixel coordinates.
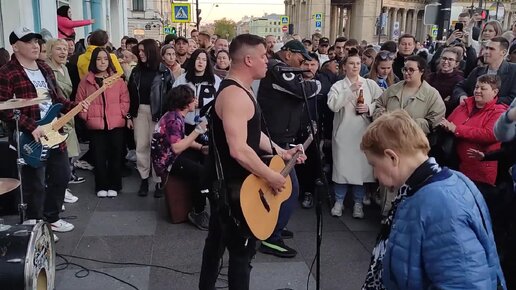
(322, 50)
(27, 77)
(280, 96)
(181, 47)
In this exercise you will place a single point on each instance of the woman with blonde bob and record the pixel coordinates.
(438, 233)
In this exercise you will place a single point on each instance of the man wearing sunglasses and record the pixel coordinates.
(280, 96)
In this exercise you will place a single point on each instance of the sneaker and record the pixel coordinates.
(308, 200)
(56, 238)
(144, 187)
(158, 191)
(337, 209)
(74, 179)
(358, 211)
(200, 220)
(277, 248)
(112, 193)
(81, 164)
(101, 193)
(366, 200)
(69, 197)
(61, 226)
(286, 234)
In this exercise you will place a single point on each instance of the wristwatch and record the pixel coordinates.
(128, 116)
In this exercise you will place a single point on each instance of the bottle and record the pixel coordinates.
(360, 99)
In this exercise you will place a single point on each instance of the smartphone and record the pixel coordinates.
(459, 26)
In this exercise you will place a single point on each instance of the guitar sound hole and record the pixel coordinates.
(264, 201)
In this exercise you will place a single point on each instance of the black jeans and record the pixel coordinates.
(44, 187)
(106, 147)
(191, 172)
(224, 233)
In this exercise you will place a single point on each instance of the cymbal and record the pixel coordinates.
(20, 103)
(8, 184)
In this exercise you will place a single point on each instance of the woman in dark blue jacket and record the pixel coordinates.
(438, 234)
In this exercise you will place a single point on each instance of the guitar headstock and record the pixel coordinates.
(108, 82)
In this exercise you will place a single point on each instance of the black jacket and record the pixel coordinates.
(280, 96)
(507, 73)
(398, 64)
(161, 84)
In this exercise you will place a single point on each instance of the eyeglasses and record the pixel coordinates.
(384, 55)
(409, 70)
(447, 59)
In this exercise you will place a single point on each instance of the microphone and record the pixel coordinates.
(288, 69)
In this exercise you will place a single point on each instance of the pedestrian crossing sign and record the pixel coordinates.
(181, 13)
(318, 16)
(285, 20)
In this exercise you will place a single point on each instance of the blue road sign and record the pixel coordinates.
(318, 16)
(318, 24)
(285, 20)
(181, 13)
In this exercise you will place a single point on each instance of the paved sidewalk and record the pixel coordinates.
(132, 229)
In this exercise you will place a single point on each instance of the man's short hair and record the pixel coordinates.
(406, 35)
(504, 43)
(314, 56)
(390, 46)
(351, 42)
(317, 34)
(99, 37)
(205, 34)
(244, 40)
(131, 40)
(464, 14)
(341, 39)
(396, 131)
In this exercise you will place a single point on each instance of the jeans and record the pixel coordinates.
(107, 146)
(224, 233)
(44, 187)
(286, 209)
(191, 172)
(341, 190)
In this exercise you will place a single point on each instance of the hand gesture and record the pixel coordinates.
(92, 21)
(356, 86)
(475, 154)
(38, 133)
(201, 128)
(85, 105)
(130, 124)
(362, 108)
(448, 126)
(276, 181)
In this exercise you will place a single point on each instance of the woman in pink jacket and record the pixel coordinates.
(65, 24)
(106, 120)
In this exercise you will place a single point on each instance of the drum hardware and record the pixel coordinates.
(8, 184)
(20, 103)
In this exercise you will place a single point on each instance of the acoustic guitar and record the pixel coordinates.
(35, 153)
(260, 205)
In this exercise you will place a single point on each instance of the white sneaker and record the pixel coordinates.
(56, 238)
(337, 209)
(61, 226)
(366, 200)
(112, 193)
(102, 193)
(69, 197)
(358, 211)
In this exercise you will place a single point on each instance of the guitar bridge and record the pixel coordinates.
(264, 201)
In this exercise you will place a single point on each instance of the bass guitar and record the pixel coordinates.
(35, 153)
(260, 204)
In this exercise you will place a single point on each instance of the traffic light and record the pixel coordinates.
(485, 14)
(199, 18)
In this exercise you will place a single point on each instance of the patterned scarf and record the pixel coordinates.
(420, 177)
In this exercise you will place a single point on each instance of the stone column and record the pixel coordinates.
(333, 22)
(403, 22)
(394, 19)
(414, 22)
(363, 20)
(341, 21)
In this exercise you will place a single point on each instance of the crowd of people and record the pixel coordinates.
(426, 130)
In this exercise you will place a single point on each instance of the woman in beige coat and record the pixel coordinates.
(351, 119)
(57, 53)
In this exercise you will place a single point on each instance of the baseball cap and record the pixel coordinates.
(23, 34)
(296, 46)
(181, 38)
(324, 41)
(306, 40)
(512, 49)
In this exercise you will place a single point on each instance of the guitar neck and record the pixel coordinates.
(76, 110)
(292, 162)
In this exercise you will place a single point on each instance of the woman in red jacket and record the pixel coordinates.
(472, 124)
(106, 121)
(65, 24)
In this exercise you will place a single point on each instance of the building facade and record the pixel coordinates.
(263, 26)
(110, 15)
(146, 18)
(358, 18)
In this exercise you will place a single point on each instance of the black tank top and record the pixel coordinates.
(233, 171)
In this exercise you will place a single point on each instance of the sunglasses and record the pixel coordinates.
(386, 55)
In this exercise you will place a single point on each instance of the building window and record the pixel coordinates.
(138, 5)
(266, 29)
(62, 2)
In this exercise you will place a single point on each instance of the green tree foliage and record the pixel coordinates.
(225, 28)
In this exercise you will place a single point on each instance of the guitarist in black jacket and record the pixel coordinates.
(237, 139)
(280, 96)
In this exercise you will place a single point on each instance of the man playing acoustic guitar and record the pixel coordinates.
(237, 140)
(26, 77)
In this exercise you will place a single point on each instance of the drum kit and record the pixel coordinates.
(27, 254)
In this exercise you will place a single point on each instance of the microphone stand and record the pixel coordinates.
(321, 181)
